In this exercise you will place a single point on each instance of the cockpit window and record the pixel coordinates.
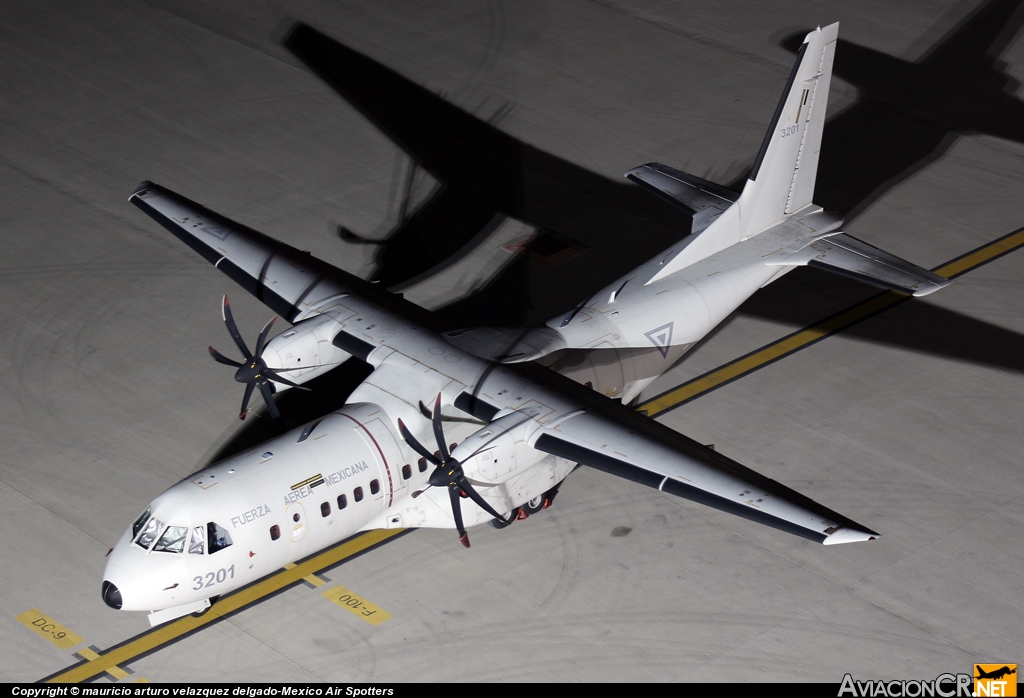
(198, 541)
(172, 541)
(218, 537)
(140, 522)
(149, 533)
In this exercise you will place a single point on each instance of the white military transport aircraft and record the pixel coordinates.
(503, 431)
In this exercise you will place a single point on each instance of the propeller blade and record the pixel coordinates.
(416, 445)
(453, 495)
(229, 320)
(245, 400)
(260, 343)
(481, 502)
(269, 373)
(221, 359)
(439, 430)
(268, 397)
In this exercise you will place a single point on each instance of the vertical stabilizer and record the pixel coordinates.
(782, 180)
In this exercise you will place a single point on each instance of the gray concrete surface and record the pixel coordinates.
(911, 425)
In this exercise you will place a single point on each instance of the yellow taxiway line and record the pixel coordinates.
(160, 636)
(802, 339)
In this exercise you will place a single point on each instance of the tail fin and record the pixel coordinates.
(782, 180)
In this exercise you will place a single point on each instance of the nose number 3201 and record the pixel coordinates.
(211, 578)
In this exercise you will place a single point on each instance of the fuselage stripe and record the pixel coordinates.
(387, 467)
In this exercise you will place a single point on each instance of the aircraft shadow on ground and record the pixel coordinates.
(907, 116)
(918, 325)
(484, 175)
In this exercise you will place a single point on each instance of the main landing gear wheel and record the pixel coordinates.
(540, 502)
(535, 505)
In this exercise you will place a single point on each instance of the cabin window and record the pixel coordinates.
(172, 541)
(217, 536)
(342, 501)
(406, 472)
(140, 522)
(423, 465)
(325, 509)
(357, 494)
(374, 486)
(149, 533)
(275, 532)
(198, 543)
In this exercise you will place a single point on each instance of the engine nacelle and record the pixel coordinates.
(304, 351)
(499, 451)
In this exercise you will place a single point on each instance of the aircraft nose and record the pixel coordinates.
(111, 595)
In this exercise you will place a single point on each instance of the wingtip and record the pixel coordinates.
(850, 535)
(932, 285)
(143, 187)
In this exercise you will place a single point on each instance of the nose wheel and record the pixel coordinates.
(213, 600)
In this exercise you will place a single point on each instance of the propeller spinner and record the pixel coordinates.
(253, 371)
(448, 473)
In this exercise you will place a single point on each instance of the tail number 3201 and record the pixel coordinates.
(790, 130)
(211, 578)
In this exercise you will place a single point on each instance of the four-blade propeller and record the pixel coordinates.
(253, 371)
(448, 473)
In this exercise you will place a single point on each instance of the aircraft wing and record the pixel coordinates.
(291, 282)
(286, 279)
(608, 436)
(848, 256)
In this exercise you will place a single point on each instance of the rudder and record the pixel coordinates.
(782, 179)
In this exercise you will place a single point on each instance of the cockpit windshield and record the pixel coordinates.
(172, 541)
(149, 533)
(198, 541)
(219, 537)
(140, 522)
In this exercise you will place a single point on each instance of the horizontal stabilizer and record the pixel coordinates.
(704, 201)
(851, 257)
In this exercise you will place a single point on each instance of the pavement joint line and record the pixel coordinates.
(306, 571)
(163, 635)
(801, 339)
